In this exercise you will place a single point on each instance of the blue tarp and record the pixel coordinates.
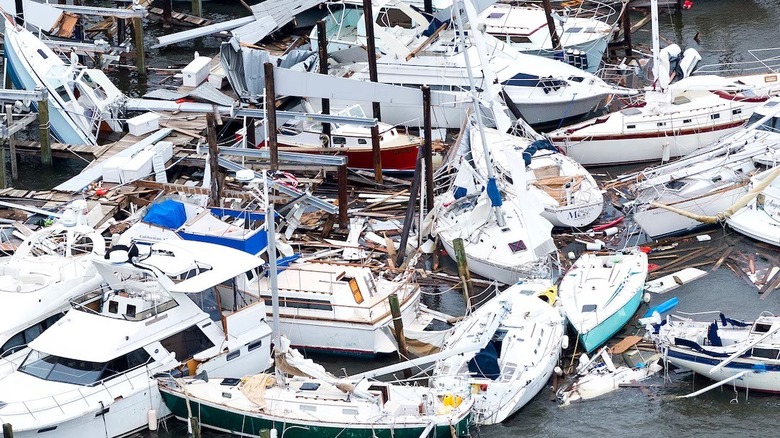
(167, 214)
(485, 363)
(493, 193)
(537, 145)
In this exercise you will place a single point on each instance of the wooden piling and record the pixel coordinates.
(43, 127)
(428, 6)
(138, 41)
(8, 430)
(626, 21)
(195, 425)
(368, 15)
(167, 15)
(19, 12)
(463, 271)
(398, 325)
(556, 42)
(376, 153)
(270, 115)
(428, 147)
(410, 209)
(342, 197)
(121, 30)
(197, 8)
(322, 46)
(215, 197)
(9, 115)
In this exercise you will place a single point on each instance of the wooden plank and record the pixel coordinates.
(625, 344)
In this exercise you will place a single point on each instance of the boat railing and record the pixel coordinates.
(764, 61)
(105, 389)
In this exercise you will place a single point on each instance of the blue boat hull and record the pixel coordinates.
(600, 334)
(22, 79)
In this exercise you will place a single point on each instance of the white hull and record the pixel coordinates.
(502, 273)
(622, 150)
(768, 381)
(658, 222)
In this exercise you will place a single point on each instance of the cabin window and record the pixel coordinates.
(309, 386)
(250, 275)
(300, 303)
(80, 372)
(113, 306)
(43, 54)
(762, 328)
(630, 126)
(187, 343)
(767, 353)
(675, 185)
(573, 30)
(362, 141)
(130, 310)
(21, 339)
(737, 111)
(686, 120)
(207, 301)
(494, 15)
(661, 124)
(519, 39)
(232, 355)
(714, 116)
(339, 140)
(255, 345)
(63, 93)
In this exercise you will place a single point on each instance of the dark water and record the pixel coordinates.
(726, 30)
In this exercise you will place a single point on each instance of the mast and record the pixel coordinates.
(657, 82)
(272, 280)
(492, 187)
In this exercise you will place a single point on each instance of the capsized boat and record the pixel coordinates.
(570, 195)
(523, 336)
(316, 403)
(599, 375)
(744, 354)
(600, 293)
(171, 310)
(81, 100)
(51, 266)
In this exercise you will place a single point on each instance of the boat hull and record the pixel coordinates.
(394, 159)
(224, 419)
(755, 225)
(20, 72)
(598, 335)
(483, 268)
(658, 222)
(766, 378)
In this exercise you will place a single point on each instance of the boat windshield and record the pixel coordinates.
(79, 372)
(771, 125)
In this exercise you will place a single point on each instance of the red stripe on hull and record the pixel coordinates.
(648, 134)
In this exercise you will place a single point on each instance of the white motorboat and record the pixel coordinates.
(316, 403)
(51, 266)
(80, 99)
(570, 195)
(600, 293)
(760, 218)
(339, 308)
(174, 310)
(523, 337)
(744, 354)
(673, 120)
(583, 39)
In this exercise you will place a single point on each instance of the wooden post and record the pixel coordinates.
(197, 8)
(398, 325)
(428, 147)
(410, 209)
(138, 40)
(195, 425)
(8, 430)
(322, 46)
(9, 116)
(463, 271)
(556, 42)
(627, 31)
(376, 153)
(251, 137)
(270, 115)
(215, 198)
(121, 30)
(43, 127)
(19, 12)
(428, 6)
(342, 197)
(368, 15)
(167, 13)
